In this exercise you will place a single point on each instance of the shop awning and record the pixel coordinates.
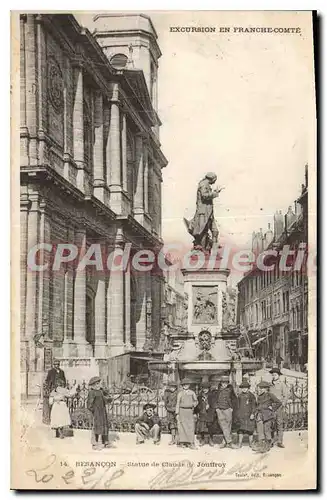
(157, 357)
(259, 340)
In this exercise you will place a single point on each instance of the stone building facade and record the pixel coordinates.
(273, 305)
(91, 172)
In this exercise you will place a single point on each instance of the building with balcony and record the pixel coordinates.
(91, 172)
(273, 305)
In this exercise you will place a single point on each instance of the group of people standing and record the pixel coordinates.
(216, 409)
(218, 403)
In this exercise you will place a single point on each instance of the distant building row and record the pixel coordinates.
(273, 306)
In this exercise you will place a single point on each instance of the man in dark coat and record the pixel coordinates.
(279, 389)
(96, 403)
(223, 401)
(55, 376)
(267, 405)
(148, 425)
(205, 417)
(170, 400)
(246, 406)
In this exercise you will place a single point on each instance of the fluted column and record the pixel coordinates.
(31, 87)
(98, 148)
(78, 122)
(98, 159)
(24, 206)
(146, 179)
(124, 151)
(23, 118)
(80, 298)
(66, 128)
(141, 311)
(114, 170)
(32, 280)
(128, 344)
(114, 142)
(116, 316)
(68, 342)
(40, 284)
(139, 192)
(100, 319)
(41, 90)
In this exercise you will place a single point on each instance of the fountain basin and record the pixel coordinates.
(205, 366)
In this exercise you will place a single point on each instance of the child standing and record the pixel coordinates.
(203, 425)
(96, 403)
(245, 413)
(59, 417)
(186, 402)
(170, 399)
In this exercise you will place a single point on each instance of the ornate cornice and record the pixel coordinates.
(131, 224)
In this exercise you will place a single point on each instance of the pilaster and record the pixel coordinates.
(80, 298)
(78, 123)
(116, 315)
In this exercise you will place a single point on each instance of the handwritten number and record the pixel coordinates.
(45, 478)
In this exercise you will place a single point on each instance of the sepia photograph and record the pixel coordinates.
(164, 180)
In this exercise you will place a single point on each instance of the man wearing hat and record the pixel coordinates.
(54, 375)
(203, 220)
(279, 389)
(204, 424)
(267, 404)
(170, 400)
(186, 403)
(148, 425)
(246, 406)
(96, 402)
(223, 400)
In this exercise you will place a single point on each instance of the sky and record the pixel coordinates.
(241, 105)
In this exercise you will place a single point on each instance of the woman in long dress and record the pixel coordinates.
(186, 402)
(59, 417)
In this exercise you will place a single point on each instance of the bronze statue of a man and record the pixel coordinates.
(203, 220)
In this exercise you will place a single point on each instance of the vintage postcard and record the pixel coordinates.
(163, 250)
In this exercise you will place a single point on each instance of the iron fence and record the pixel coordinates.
(125, 408)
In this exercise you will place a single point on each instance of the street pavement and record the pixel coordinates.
(71, 463)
